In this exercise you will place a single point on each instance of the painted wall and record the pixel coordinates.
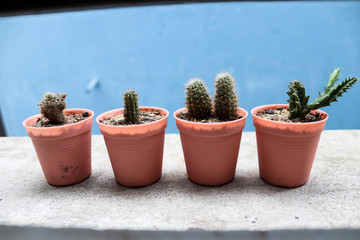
(156, 49)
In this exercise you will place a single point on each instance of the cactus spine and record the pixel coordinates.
(198, 100)
(225, 97)
(131, 108)
(298, 100)
(52, 106)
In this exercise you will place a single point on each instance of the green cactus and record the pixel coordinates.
(198, 100)
(225, 97)
(298, 100)
(298, 107)
(131, 108)
(52, 106)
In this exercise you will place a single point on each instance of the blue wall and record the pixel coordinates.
(156, 49)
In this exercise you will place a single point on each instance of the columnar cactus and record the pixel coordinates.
(225, 97)
(52, 106)
(198, 100)
(298, 100)
(131, 108)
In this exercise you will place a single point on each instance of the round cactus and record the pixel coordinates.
(198, 100)
(225, 97)
(52, 106)
(131, 108)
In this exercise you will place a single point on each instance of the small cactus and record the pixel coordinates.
(52, 106)
(225, 97)
(298, 100)
(131, 108)
(198, 100)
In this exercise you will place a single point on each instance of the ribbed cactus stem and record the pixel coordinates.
(298, 100)
(198, 100)
(131, 108)
(226, 100)
(52, 106)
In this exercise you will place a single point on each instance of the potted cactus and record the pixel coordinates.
(134, 137)
(288, 135)
(62, 140)
(211, 133)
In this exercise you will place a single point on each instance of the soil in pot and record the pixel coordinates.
(282, 115)
(213, 119)
(69, 119)
(148, 116)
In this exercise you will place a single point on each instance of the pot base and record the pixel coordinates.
(212, 185)
(71, 184)
(282, 186)
(139, 186)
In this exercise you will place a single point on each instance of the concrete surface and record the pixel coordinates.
(330, 200)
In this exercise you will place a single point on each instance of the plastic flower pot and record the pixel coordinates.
(135, 151)
(211, 149)
(64, 151)
(286, 151)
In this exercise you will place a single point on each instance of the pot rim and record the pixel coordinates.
(61, 126)
(203, 124)
(273, 106)
(102, 115)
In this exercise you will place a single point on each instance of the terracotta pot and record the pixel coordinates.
(211, 149)
(64, 152)
(135, 151)
(286, 151)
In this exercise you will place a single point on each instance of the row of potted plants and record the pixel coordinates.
(210, 131)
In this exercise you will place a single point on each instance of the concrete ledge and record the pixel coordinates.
(40, 233)
(330, 200)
